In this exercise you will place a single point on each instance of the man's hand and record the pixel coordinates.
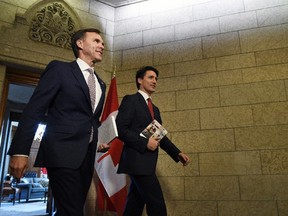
(152, 144)
(103, 147)
(184, 159)
(17, 166)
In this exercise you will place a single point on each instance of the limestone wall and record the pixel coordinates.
(222, 91)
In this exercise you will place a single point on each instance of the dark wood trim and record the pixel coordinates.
(16, 76)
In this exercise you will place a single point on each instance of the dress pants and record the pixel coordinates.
(70, 186)
(145, 189)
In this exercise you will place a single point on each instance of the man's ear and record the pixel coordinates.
(79, 44)
(139, 80)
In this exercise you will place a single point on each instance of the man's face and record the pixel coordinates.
(149, 82)
(92, 47)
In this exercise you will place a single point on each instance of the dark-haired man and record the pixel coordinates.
(72, 95)
(139, 155)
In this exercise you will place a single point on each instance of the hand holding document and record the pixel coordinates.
(107, 132)
(154, 130)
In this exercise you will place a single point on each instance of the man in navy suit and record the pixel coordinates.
(139, 155)
(69, 143)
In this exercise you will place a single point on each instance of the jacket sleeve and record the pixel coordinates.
(35, 110)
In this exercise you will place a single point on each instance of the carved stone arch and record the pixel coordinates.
(52, 22)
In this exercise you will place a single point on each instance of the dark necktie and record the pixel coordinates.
(150, 106)
(92, 92)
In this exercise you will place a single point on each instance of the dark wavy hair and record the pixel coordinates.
(79, 35)
(142, 71)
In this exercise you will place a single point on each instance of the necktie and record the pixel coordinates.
(150, 106)
(92, 91)
(92, 87)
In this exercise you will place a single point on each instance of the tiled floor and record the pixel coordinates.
(32, 208)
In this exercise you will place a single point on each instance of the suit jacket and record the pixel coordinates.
(132, 118)
(63, 95)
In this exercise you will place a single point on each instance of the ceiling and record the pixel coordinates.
(119, 3)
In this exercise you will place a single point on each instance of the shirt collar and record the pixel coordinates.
(144, 94)
(83, 65)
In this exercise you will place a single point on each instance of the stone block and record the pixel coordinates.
(8, 12)
(165, 101)
(275, 161)
(135, 58)
(102, 10)
(132, 25)
(266, 137)
(127, 12)
(247, 208)
(195, 67)
(221, 45)
(171, 17)
(92, 21)
(166, 70)
(181, 120)
(212, 188)
(270, 113)
(261, 4)
(159, 35)
(283, 208)
(172, 84)
(128, 41)
(238, 21)
(251, 93)
(166, 166)
(236, 61)
(172, 187)
(230, 163)
(198, 98)
(272, 16)
(270, 72)
(126, 76)
(126, 88)
(205, 140)
(186, 50)
(197, 29)
(217, 8)
(191, 208)
(221, 78)
(264, 187)
(226, 117)
(271, 37)
(272, 57)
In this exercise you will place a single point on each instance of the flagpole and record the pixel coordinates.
(114, 72)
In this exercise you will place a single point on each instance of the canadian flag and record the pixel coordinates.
(111, 190)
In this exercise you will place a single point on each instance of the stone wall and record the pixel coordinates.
(222, 91)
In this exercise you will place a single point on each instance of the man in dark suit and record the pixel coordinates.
(69, 143)
(139, 155)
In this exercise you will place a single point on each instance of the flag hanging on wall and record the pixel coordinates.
(111, 190)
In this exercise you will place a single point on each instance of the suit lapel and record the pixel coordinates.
(79, 76)
(144, 104)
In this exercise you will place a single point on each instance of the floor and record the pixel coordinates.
(32, 208)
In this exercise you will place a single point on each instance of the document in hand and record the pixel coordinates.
(107, 131)
(154, 130)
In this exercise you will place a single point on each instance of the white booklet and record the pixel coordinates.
(154, 130)
(107, 131)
